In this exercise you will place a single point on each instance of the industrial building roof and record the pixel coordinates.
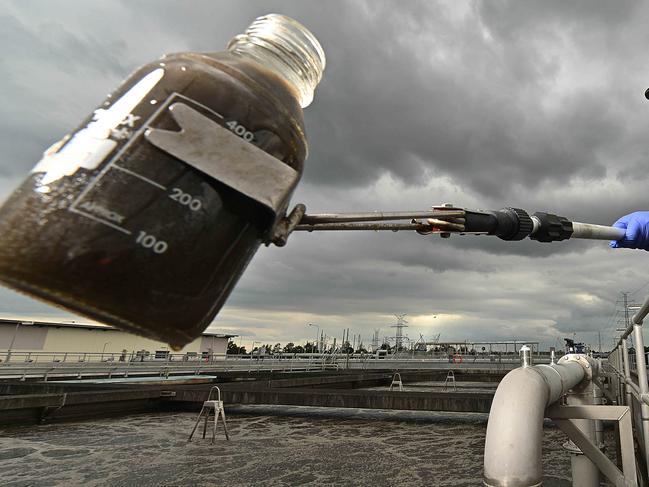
(96, 326)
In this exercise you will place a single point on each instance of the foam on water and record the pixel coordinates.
(368, 448)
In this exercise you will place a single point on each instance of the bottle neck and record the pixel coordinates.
(285, 47)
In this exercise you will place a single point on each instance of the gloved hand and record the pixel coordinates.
(637, 231)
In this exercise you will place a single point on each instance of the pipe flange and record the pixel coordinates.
(588, 364)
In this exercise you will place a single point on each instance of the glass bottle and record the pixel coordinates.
(110, 226)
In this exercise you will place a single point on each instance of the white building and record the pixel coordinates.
(25, 337)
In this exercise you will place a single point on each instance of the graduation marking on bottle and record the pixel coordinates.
(112, 164)
(238, 129)
(117, 125)
(185, 199)
(149, 241)
(102, 214)
(139, 176)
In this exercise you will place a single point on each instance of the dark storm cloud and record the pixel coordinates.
(482, 104)
(398, 110)
(516, 18)
(46, 72)
(457, 103)
(48, 38)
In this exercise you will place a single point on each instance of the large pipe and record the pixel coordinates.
(512, 455)
(584, 472)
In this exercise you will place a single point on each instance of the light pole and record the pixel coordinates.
(317, 334)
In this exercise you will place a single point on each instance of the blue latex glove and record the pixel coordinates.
(637, 231)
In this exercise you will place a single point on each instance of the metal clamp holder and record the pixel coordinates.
(218, 153)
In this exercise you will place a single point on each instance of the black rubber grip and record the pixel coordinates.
(552, 228)
(516, 224)
(480, 221)
(507, 224)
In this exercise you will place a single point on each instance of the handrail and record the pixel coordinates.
(637, 319)
(218, 393)
(17, 356)
(621, 359)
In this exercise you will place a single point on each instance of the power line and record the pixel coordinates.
(641, 287)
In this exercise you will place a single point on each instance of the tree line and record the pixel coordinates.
(290, 347)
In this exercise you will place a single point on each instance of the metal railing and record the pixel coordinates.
(79, 365)
(74, 365)
(630, 370)
(13, 356)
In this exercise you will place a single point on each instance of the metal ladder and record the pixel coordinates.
(210, 405)
(396, 381)
(450, 376)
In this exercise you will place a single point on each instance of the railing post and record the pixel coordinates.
(641, 370)
(599, 425)
(627, 373)
(623, 378)
(620, 358)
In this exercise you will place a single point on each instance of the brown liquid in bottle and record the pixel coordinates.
(144, 241)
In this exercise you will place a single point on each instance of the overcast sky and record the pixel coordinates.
(538, 105)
